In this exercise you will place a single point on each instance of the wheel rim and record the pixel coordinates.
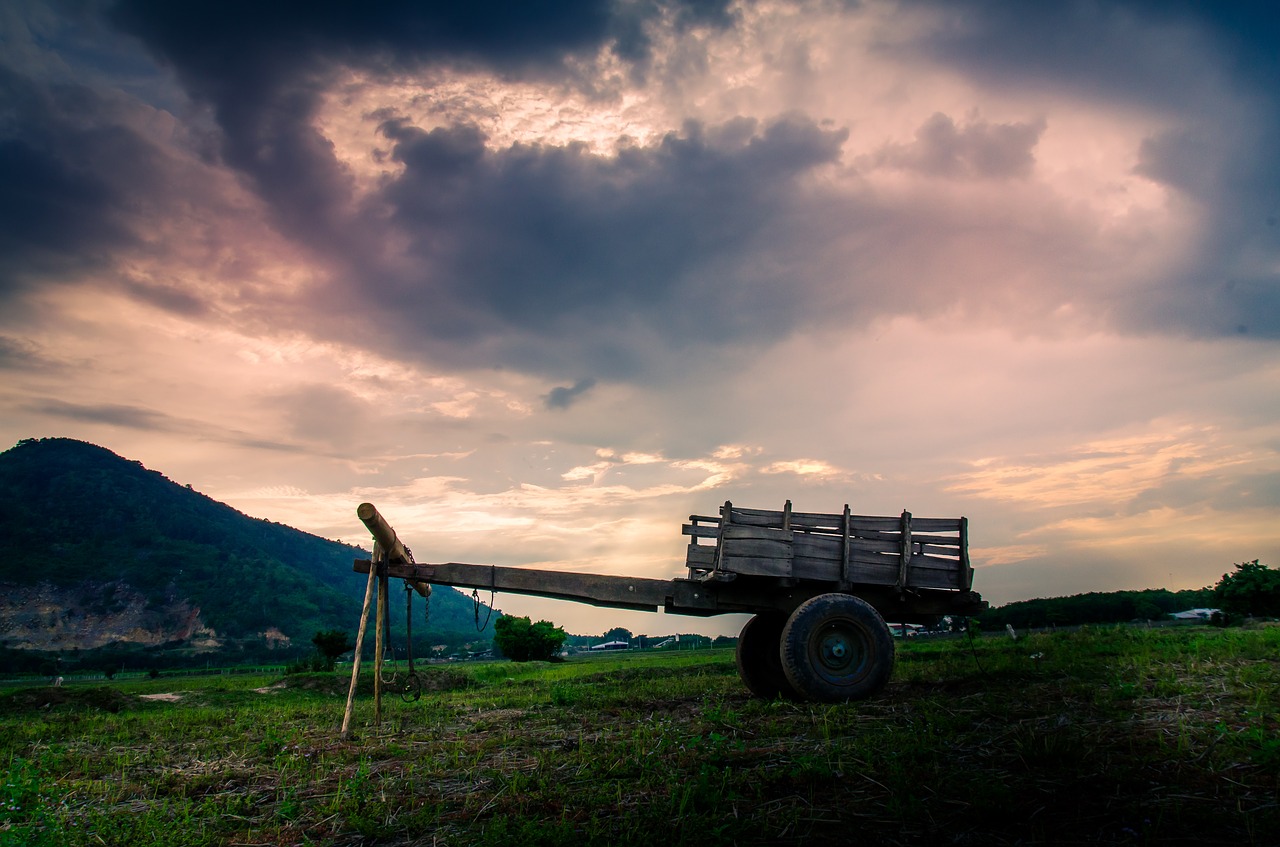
(839, 652)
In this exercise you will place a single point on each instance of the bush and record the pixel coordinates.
(1253, 590)
(331, 643)
(522, 641)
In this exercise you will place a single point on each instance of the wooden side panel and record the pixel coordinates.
(816, 556)
(701, 556)
(932, 572)
(756, 550)
(757, 542)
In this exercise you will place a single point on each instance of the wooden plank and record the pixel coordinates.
(844, 546)
(735, 532)
(935, 550)
(807, 567)
(952, 540)
(700, 531)
(700, 556)
(817, 547)
(952, 565)
(866, 574)
(773, 520)
(936, 524)
(904, 563)
(867, 545)
(865, 523)
(816, 520)
(931, 579)
(966, 583)
(758, 565)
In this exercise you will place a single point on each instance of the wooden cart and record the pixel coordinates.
(819, 587)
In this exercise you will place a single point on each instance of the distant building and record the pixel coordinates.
(1194, 614)
(612, 645)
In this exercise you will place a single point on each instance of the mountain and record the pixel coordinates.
(98, 550)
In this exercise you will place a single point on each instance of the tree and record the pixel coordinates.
(332, 643)
(618, 633)
(522, 641)
(1254, 589)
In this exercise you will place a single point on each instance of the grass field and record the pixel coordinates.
(1103, 736)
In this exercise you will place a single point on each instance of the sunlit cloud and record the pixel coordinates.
(541, 284)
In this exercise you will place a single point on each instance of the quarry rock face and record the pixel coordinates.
(48, 617)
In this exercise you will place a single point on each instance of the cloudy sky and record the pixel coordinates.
(542, 279)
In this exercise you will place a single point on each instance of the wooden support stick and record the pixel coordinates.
(355, 665)
(380, 646)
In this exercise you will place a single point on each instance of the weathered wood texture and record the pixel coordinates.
(903, 551)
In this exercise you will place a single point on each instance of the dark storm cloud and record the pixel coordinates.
(113, 414)
(977, 150)
(1180, 59)
(687, 237)
(66, 181)
(1129, 50)
(564, 396)
(262, 67)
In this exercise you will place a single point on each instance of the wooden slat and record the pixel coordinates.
(700, 556)
(817, 546)
(952, 565)
(865, 523)
(758, 566)
(952, 540)
(743, 517)
(867, 545)
(936, 524)
(860, 558)
(935, 550)
(932, 579)
(700, 531)
(816, 520)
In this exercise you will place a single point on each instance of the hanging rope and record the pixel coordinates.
(475, 598)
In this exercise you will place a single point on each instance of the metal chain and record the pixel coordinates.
(475, 598)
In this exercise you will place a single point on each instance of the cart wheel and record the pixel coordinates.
(836, 647)
(412, 689)
(759, 657)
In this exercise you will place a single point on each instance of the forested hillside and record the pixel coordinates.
(86, 534)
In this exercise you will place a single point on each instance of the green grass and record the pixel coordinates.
(1102, 736)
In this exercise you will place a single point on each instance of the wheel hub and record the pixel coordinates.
(839, 651)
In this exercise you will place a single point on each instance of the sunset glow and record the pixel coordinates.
(542, 285)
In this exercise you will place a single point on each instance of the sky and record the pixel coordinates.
(541, 280)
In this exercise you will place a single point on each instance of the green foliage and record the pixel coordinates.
(332, 643)
(1093, 608)
(83, 519)
(618, 633)
(522, 641)
(1252, 590)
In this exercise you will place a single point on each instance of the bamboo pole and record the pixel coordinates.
(379, 646)
(355, 665)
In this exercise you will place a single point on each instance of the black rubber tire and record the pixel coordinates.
(759, 657)
(836, 647)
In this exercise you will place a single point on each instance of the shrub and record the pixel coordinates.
(522, 641)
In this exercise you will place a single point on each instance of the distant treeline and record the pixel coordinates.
(1096, 607)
